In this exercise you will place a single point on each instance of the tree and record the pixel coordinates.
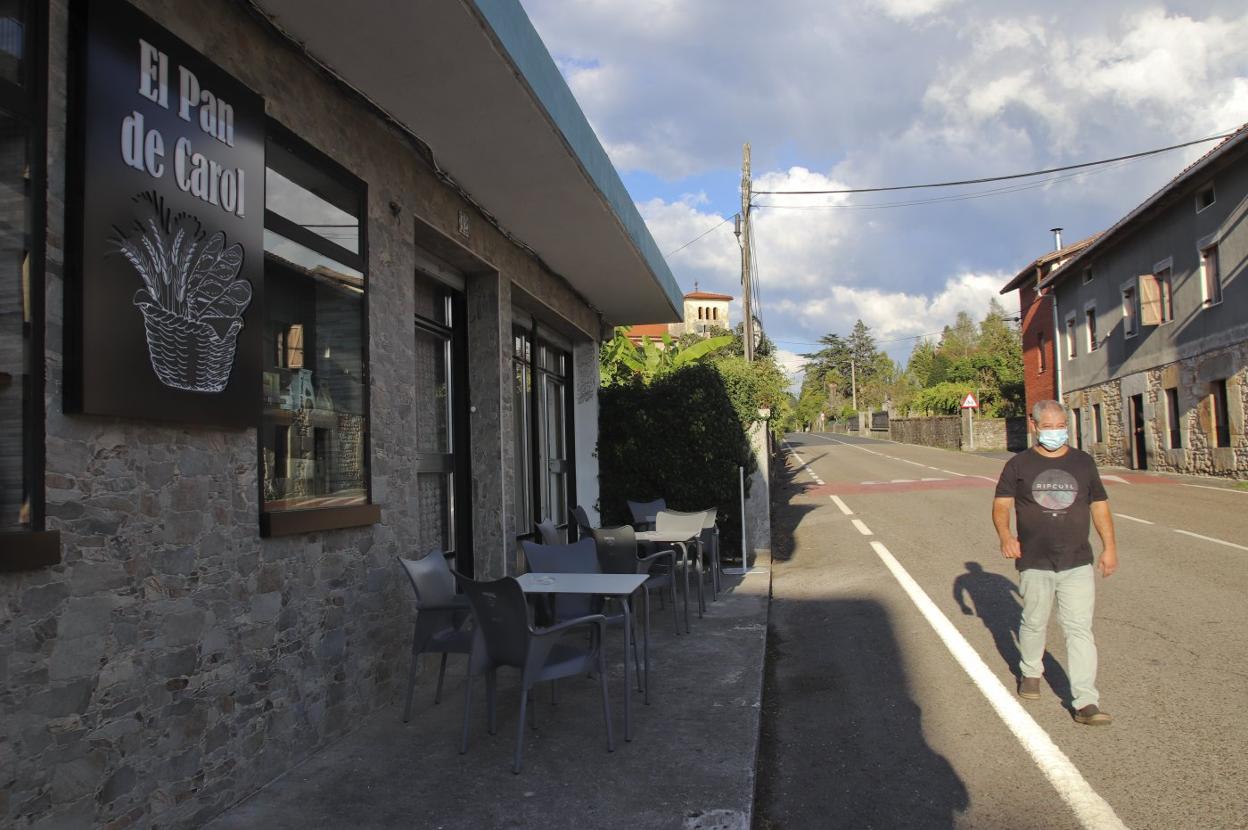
(986, 359)
(622, 361)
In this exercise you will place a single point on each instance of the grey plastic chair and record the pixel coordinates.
(644, 512)
(584, 528)
(617, 553)
(580, 557)
(709, 542)
(504, 637)
(440, 616)
(688, 525)
(547, 533)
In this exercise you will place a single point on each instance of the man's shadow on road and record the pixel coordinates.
(998, 605)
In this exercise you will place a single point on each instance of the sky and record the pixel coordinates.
(867, 93)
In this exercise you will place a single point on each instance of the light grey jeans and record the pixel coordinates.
(1075, 591)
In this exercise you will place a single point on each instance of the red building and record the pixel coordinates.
(1041, 375)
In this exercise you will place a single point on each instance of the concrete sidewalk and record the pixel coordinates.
(691, 763)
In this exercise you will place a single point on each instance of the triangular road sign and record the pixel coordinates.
(969, 401)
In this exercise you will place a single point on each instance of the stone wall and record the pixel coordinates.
(999, 434)
(941, 431)
(1113, 449)
(175, 661)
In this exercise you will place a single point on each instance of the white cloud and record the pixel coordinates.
(911, 9)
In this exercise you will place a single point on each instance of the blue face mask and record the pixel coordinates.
(1051, 439)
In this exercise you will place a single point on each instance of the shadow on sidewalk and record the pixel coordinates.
(842, 740)
(998, 605)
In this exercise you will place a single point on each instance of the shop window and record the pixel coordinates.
(1098, 429)
(314, 442)
(1210, 277)
(542, 404)
(1221, 413)
(1174, 419)
(23, 540)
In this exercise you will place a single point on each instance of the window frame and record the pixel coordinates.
(1221, 406)
(1087, 274)
(1077, 416)
(1098, 430)
(1174, 422)
(1163, 273)
(27, 102)
(1130, 294)
(310, 519)
(1089, 324)
(1072, 337)
(537, 337)
(1213, 197)
(1205, 247)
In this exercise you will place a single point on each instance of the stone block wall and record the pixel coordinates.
(999, 434)
(175, 661)
(1199, 453)
(1113, 450)
(942, 431)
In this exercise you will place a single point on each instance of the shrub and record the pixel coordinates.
(678, 439)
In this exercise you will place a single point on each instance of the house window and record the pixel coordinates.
(1078, 419)
(314, 421)
(1040, 352)
(542, 402)
(22, 182)
(699, 312)
(1130, 316)
(1221, 413)
(1072, 349)
(1165, 294)
(1098, 432)
(1205, 197)
(1089, 315)
(1173, 419)
(1210, 277)
(715, 313)
(1087, 275)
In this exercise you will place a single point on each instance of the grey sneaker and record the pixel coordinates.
(1090, 715)
(1029, 688)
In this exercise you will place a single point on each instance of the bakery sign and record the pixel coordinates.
(166, 273)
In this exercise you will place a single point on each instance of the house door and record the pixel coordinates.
(1139, 453)
(443, 494)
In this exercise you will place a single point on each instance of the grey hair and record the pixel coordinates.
(1041, 407)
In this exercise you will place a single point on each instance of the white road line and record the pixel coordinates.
(933, 479)
(1133, 519)
(862, 528)
(902, 481)
(1219, 489)
(844, 507)
(1210, 539)
(986, 478)
(805, 466)
(1118, 479)
(950, 472)
(1093, 812)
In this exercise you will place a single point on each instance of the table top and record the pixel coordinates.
(605, 584)
(666, 536)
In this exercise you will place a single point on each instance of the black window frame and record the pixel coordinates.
(1174, 421)
(530, 357)
(312, 519)
(27, 102)
(1221, 413)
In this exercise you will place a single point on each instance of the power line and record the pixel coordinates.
(699, 236)
(986, 179)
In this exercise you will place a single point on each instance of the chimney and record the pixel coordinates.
(1057, 238)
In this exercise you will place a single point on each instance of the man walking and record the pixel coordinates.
(1055, 489)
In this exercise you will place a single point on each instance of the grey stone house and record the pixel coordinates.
(1153, 326)
(287, 289)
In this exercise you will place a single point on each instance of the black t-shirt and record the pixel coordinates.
(1052, 500)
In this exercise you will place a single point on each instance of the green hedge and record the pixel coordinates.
(679, 439)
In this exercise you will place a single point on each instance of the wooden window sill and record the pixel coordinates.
(29, 550)
(289, 522)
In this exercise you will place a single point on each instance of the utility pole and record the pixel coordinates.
(853, 381)
(748, 323)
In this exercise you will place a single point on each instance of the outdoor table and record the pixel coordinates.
(621, 586)
(670, 537)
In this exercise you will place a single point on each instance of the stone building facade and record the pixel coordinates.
(170, 639)
(1153, 346)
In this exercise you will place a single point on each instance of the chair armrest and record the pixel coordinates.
(559, 628)
(447, 606)
(658, 555)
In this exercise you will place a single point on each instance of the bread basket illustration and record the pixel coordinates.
(192, 299)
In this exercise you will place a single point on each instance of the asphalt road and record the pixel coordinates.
(876, 716)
